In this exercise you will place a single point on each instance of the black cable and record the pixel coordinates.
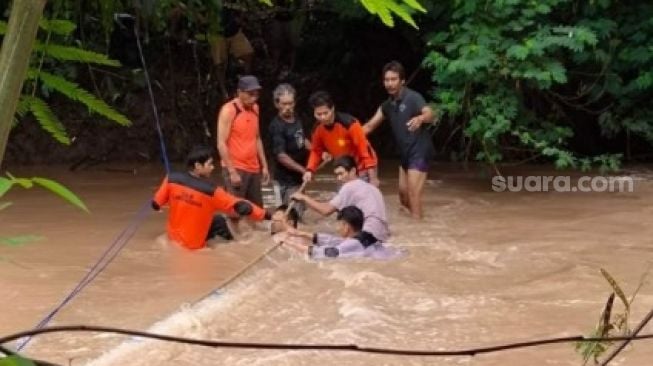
(317, 347)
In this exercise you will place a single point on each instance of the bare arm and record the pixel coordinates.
(225, 119)
(265, 173)
(374, 122)
(289, 163)
(261, 153)
(323, 208)
(426, 116)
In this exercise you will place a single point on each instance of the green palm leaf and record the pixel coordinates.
(5, 185)
(61, 191)
(58, 26)
(66, 53)
(74, 92)
(22, 107)
(47, 119)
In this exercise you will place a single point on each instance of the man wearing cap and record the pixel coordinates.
(244, 167)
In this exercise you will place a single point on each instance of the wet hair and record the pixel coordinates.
(293, 215)
(396, 67)
(320, 99)
(345, 161)
(353, 216)
(198, 154)
(283, 89)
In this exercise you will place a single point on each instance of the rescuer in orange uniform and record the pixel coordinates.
(194, 201)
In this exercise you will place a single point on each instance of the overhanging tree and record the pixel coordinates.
(14, 60)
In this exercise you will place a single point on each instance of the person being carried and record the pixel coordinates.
(409, 116)
(193, 202)
(339, 134)
(282, 221)
(352, 241)
(354, 192)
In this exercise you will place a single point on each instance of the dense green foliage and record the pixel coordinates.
(521, 75)
(513, 80)
(45, 56)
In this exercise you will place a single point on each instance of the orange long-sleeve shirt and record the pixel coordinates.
(193, 202)
(344, 137)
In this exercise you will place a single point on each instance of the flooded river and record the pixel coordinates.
(482, 268)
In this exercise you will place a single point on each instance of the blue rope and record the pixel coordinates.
(154, 108)
(127, 233)
(107, 257)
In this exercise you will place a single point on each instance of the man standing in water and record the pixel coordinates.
(409, 116)
(193, 201)
(339, 134)
(244, 167)
(354, 192)
(289, 144)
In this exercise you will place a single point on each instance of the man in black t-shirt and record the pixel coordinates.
(409, 117)
(289, 144)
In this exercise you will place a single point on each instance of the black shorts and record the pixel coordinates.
(416, 162)
(219, 227)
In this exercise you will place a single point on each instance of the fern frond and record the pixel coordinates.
(21, 109)
(402, 12)
(47, 119)
(75, 92)
(57, 26)
(415, 5)
(66, 53)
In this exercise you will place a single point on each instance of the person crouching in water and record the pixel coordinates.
(353, 192)
(282, 219)
(351, 241)
(194, 201)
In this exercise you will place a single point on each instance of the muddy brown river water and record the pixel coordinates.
(482, 268)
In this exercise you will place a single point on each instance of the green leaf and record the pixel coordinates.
(58, 26)
(22, 107)
(74, 92)
(47, 119)
(25, 183)
(15, 361)
(402, 13)
(557, 71)
(61, 191)
(5, 185)
(17, 241)
(66, 53)
(644, 81)
(415, 5)
(518, 52)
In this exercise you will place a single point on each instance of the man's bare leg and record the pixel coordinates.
(403, 191)
(415, 180)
